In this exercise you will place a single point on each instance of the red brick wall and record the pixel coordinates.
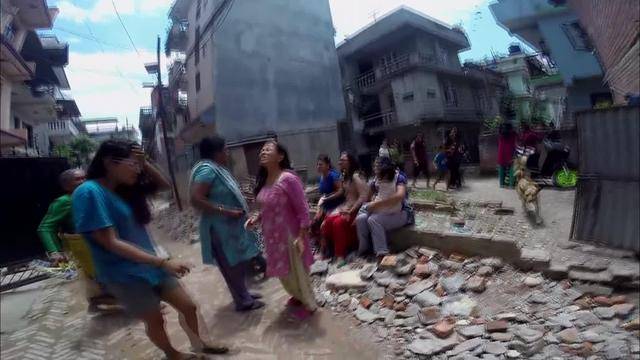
(614, 27)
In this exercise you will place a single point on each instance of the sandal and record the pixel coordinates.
(257, 304)
(302, 313)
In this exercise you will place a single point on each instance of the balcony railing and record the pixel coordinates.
(62, 128)
(399, 64)
(380, 120)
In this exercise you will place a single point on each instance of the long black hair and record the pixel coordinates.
(210, 146)
(285, 164)
(354, 166)
(135, 195)
(386, 168)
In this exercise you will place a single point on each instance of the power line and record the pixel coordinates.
(88, 37)
(124, 27)
(134, 89)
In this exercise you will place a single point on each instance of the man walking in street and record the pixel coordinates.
(419, 154)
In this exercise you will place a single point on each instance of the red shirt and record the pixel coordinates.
(506, 148)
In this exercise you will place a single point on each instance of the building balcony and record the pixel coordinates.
(371, 80)
(457, 114)
(14, 67)
(13, 137)
(380, 121)
(518, 14)
(63, 128)
(177, 72)
(176, 37)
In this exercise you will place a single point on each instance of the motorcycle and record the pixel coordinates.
(550, 165)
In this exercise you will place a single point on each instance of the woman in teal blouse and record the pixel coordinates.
(224, 240)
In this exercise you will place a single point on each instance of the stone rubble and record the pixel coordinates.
(427, 305)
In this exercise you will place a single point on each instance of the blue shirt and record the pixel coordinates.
(327, 187)
(441, 161)
(95, 208)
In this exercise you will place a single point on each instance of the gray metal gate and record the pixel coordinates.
(607, 206)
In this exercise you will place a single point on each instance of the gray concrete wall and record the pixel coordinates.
(304, 148)
(418, 83)
(276, 69)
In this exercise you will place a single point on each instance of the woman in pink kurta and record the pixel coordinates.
(284, 216)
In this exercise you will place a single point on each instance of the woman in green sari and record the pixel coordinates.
(224, 240)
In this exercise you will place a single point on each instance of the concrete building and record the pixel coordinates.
(614, 27)
(105, 128)
(538, 92)
(29, 75)
(401, 74)
(555, 31)
(257, 70)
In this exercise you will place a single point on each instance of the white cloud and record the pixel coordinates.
(102, 10)
(100, 90)
(350, 16)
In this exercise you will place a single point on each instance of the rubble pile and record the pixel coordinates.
(181, 226)
(427, 305)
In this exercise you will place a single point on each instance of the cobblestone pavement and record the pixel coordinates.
(59, 327)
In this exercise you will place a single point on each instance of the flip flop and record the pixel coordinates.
(257, 304)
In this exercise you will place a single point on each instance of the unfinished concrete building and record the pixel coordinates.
(256, 70)
(401, 74)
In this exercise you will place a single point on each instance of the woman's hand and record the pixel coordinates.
(372, 207)
(252, 223)
(176, 268)
(321, 201)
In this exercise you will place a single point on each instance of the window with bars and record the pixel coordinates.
(578, 38)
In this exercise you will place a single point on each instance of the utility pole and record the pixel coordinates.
(162, 115)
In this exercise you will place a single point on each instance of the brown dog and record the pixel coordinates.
(527, 189)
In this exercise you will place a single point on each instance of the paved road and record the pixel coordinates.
(58, 327)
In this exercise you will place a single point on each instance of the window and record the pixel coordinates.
(450, 94)
(198, 6)
(577, 36)
(431, 93)
(196, 46)
(407, 97)
(197, 82)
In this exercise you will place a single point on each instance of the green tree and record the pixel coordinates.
(81, 149)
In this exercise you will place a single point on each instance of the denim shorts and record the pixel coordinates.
(140, 297)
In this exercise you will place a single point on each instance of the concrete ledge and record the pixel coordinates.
(448, 242)
(620, 273)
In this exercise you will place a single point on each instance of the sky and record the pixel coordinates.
(106, 68)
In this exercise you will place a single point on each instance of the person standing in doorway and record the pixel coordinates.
(223, 238)
(507, 139)
(419, 156)
(111, 210)
(284, 216)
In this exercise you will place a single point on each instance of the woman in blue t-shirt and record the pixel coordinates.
(331, 196)
(111, 211)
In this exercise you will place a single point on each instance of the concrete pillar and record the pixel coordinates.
(5, 103)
